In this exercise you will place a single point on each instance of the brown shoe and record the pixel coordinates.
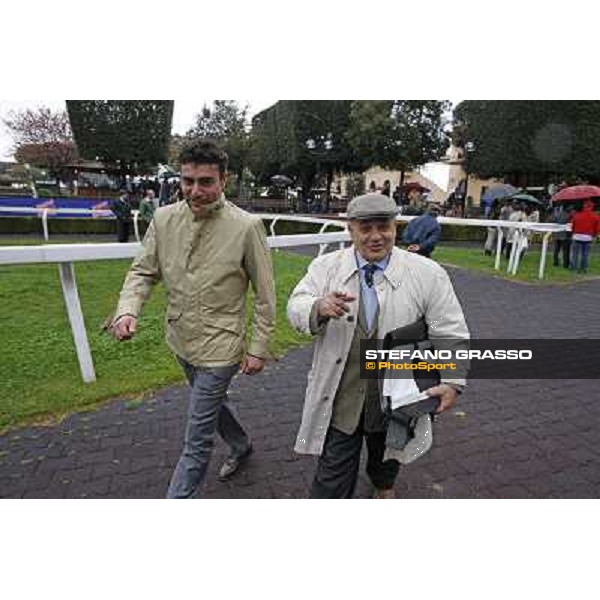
(388, 494)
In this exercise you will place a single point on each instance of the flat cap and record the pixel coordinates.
(372, 206)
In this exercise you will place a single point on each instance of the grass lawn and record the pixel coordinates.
(39, 372)
(474, 258)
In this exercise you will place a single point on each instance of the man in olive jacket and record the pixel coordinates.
(205, 250)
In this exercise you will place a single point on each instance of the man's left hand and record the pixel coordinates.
(252, 365)
(448, 396)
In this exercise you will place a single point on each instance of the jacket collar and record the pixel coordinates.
(210, 210)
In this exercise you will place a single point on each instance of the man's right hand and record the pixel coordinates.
(124, 327)
(334, 305)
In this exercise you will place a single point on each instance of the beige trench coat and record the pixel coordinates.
(206, 265)
(412, 287)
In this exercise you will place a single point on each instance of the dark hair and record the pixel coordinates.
(204, 152)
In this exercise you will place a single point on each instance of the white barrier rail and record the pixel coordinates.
(522, 228)
(43, 213)
(66, 254)
(513, 263)
(107, 214)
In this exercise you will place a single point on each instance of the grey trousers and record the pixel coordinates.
(209, 411)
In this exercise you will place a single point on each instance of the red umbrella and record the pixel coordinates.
(414, 185)
(576, 192)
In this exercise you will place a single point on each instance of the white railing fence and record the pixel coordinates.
(65, 255)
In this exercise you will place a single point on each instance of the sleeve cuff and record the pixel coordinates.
(317, 323)
(258, 349)
(457, 386)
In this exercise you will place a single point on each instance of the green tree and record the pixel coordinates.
(399, 134)
(264, 157)
(227, 123)
(530, 142)
(303, 139)
(176, 144)
(133, 133)
(321, 135)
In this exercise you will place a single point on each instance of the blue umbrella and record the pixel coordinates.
(502, 190)
(527, 198)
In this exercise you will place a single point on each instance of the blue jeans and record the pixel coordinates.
(209, 411)
(576, 249)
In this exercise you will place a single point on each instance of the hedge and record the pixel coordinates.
(57, 225)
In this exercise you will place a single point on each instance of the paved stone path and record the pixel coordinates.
(506, 439)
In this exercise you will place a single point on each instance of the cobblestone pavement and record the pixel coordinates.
(506, 439)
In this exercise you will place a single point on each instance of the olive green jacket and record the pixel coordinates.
(206, 264)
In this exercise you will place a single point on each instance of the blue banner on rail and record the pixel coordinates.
(96, 206)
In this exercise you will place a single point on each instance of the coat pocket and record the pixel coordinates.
(173, 314)
(223, 338)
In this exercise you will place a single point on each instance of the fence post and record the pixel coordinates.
(45, 223)
(499, 237)
(322, 247)
(136, 227)
(513, 250)
(543, 257)
(522, 236)
(69, 287)
(272, 228)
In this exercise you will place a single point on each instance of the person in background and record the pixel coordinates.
(415, 201)
(121, 208)
(490, 241)
(387, 188)
(585, 226)
(148, 205)
(165, 192)
(562, 240)
(423, 233)
(512, 235)
(504, 215)
(532, 215)
(488, 207)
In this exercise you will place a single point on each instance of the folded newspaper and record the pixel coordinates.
(402, 392)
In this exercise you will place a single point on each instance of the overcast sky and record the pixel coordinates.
(183, 116)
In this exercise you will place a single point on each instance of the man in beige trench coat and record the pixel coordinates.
(363, 292)
(206, 251)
